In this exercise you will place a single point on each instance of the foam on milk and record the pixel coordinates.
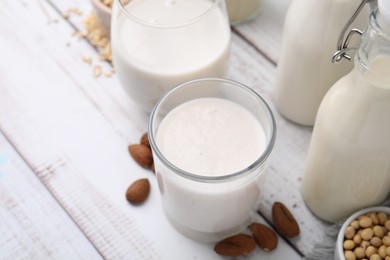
(211, 137)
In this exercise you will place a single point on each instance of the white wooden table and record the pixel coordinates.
(64, 165)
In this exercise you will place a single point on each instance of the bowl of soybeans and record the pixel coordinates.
(365, 235)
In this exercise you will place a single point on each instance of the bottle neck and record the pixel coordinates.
(373, 55)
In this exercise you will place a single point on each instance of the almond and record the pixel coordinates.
(141, 154)
(265, 237)
(145, 140)
(237, 245)
(138, 191)
(284, 221)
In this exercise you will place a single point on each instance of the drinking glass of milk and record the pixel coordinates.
(211, 139)
(158, 44)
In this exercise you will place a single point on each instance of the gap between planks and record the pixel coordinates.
(296, 249)
(250, 43)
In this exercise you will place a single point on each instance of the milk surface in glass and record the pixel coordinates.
(160, 43)
(210, 137)
(349, 157)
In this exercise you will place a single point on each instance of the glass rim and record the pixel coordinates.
(220, 178)
(166, 26)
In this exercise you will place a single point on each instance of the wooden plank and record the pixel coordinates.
(80, 127)
(33, 225)
(75, 137)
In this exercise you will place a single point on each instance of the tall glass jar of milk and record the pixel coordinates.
(348, 165)
(242, 10)
(158, 44)
(305, 71)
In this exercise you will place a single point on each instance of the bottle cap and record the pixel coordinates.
(384, 14)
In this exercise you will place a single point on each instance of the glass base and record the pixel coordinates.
(207, 237)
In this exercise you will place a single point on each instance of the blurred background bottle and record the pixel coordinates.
(305, 71)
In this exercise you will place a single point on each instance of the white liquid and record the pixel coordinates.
(241, 10)
(150, 60)
(305, 71)
(348, 165)
(210, 137)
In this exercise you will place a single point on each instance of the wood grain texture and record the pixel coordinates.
(73, 130)
(265, 31)
(33, 225)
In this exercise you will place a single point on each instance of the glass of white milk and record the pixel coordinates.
(157, 44)
(211, 139)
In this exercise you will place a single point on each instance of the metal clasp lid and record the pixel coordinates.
(342, 45)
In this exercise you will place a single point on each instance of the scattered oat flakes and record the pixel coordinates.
(75, 10)
(87, 60)
(83, 34)
(65, 15)
(97, 71)
(95, 35)
(105, 53)
(107, 3)
(107, 74)
(70, 11)
(80, 35)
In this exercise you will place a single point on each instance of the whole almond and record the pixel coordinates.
(138, 191)
(141, 154)
(237, 245)
(284, 221)
(265, 237)
(145, 140)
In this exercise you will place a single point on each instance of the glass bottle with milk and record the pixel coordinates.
(348, 165)
(305, 71)
(158, 44)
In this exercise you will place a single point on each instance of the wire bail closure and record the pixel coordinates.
(342, 45)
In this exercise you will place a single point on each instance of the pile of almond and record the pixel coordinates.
(243, 244)
(142, 153)
(368, 237)
(139, 190)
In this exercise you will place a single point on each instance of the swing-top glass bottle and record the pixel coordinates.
(348, 165)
